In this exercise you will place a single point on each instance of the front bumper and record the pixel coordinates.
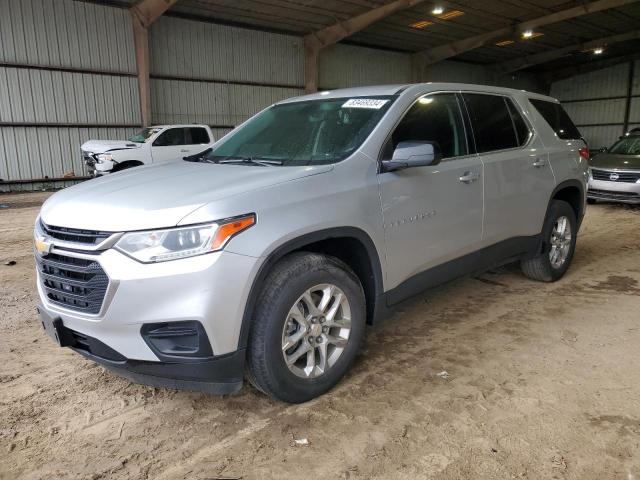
(211, 289)
(96, 167)
(220, 375)
(614, 191)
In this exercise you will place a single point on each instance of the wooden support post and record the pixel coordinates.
(627, 109)
(311, 59)
(141, 42)
(143, 14)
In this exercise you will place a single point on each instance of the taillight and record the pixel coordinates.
(584, 153)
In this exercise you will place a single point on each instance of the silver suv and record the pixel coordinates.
(270, 253)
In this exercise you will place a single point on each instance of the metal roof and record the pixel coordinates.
(300, 17)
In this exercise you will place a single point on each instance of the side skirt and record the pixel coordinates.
(474, 263)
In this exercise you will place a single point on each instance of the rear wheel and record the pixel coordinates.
(308, 326)
(559, 237)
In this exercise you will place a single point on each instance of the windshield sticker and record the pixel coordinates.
(372, 103)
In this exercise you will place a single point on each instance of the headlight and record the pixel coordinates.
(105, 157)
(174, 243)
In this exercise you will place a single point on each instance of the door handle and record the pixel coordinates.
(184, 150)
(539, 163)
(469, 177)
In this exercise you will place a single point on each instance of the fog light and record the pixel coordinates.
(172, 340)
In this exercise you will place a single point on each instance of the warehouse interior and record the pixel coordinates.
(489, 376)
(68, 69)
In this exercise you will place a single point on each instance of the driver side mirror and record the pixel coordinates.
(413, 154)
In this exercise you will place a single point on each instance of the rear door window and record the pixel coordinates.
(557, 119)
(493, 126)
(197, 135)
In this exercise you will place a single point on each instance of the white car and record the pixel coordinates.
(157, 144)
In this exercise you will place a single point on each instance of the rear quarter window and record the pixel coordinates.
(557, 118)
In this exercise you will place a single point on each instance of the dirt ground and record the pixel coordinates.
(542, 381)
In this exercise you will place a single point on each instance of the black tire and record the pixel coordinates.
(540, 267)
(289, 279)
(591, 201)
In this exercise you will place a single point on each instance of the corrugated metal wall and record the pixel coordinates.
(65, 33)
(634, 111)
(67, 74)
(192, 49)
(452, 71)
(219, 75)
(597, 102)
(349, 66)
(54, 97)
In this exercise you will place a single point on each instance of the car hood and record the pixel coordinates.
(159, 196)
(101, 146)
(613, 161)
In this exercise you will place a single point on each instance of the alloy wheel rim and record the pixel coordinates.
(316, 331)
(560, 242)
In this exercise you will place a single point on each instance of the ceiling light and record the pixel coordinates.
(451, 14)
(529, 34)
(598, 51)
(421, 24)
(425, 100)
(326, 92)
(437, 10)
(504, 43)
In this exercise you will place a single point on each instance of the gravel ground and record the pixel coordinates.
(542, 381)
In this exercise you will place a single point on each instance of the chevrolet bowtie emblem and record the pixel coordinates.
(42, 246)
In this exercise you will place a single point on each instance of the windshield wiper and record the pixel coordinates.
(251, 160)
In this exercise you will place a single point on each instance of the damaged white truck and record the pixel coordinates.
(157, 144)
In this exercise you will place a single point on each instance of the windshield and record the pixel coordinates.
(143, 135)
(626, 146)
(303, 133)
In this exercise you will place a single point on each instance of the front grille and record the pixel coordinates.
(87, 237)
(88, 158)
(613, 195)
(75, 283)
(625, 177)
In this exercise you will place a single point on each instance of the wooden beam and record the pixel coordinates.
(148, 11)
(436, 54)
(524, 62)
(143, 15)
(316, 41)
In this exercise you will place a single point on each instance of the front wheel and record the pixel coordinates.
(559, 237)
(308, 326)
